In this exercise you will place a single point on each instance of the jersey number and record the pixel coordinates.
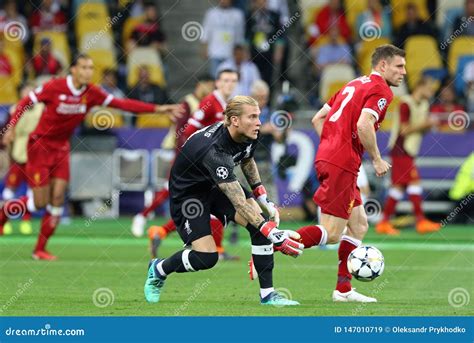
(349, 90)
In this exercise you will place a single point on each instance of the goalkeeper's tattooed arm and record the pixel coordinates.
(250, 170)
(233, 191)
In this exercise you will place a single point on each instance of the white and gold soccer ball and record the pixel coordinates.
(366, 263)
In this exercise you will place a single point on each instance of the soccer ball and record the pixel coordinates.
(365, 263)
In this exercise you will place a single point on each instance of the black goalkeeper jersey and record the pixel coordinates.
(206, 159)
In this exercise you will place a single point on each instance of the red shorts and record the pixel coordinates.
(16, 175)
(404, 170)
(338, 192)
(47, 159)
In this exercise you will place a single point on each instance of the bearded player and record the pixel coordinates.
(346, 125)
(67, 101)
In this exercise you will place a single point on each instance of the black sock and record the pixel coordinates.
(189, 261)
(262, 253)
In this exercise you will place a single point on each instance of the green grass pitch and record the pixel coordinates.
(101, 272)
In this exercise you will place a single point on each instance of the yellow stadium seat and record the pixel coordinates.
(153, 120)
(92, 10)
(399, 11)
(17, 66)
(96, 41)
(149, 57)
(463, 45)
(59, 45)
(128, 28)
(421, 53)
(104, 117)
(92, 17)
(8, 91)
(103, 59)
(333, 78)
(353, 9)
(365, 51)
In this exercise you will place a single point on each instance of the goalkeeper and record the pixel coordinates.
(202, 183)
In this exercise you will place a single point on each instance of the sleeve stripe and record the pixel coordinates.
(107, 100)
(33, 97)
(327, 107)
(195, 123)
(372, 112)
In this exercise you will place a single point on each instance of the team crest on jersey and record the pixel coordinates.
(382, 103)
(351, 205)
(222, 172)
(62, 97)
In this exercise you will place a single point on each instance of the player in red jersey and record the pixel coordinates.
(67, 101)
(347, 124)
(210, 111)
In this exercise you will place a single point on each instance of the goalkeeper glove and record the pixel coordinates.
(260, 194)
(283, 240)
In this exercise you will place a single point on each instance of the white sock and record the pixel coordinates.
(266, 291)
(159, 269)
(30, 204)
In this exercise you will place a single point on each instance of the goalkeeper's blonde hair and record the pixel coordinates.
(235, 107)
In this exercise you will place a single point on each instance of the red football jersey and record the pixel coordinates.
(340, 144)
(210, 112)
(66, 106)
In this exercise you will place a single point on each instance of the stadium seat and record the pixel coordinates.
(8, 91)
(145, 56)
(128, 28)
(333, 77)
(130, 169)
(463, 45)
(450, 16)
(17, 66)
(96, 41)
(399, 11)
(59, 45)
(365, 51)
(103, 59)
(417, 62)
(310, 9)
(152, 120)
(91, 17)
(459, 82)
(353, 9)
(443, 7)
(161, 162)
(77, 3)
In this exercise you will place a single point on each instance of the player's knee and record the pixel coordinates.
(202, 260)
